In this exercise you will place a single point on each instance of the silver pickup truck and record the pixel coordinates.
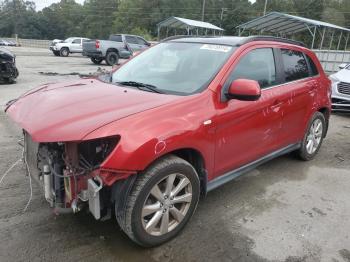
(117, 46)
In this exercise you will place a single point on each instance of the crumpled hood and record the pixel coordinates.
(69, 111)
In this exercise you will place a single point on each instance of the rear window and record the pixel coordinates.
(312, 65)
(116, 38)
(295, 66)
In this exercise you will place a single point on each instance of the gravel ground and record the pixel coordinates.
(285, 210)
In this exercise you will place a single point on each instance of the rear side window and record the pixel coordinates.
(295, 66)
(76, 41)
(116, 38)
(258, 65)
(313, 68)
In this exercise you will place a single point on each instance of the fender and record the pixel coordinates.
(151, 134)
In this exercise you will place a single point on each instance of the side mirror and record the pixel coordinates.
(342, 66)
(244, 89)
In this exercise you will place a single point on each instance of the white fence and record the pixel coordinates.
(30, 42)
(331, 59)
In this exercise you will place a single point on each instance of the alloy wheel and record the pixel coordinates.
(167, 204)
(314, 137)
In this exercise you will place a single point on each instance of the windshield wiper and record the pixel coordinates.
(141, 86)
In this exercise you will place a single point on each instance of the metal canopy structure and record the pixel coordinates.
(285, 25)
(188, 25)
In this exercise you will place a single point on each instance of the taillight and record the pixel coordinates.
(97, 44)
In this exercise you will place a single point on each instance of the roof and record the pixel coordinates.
(276, 22)
(230, 40)
(178, 22)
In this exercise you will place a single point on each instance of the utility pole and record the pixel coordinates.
(15, 17)
(222, 14)
(265, 7)
(203, 9)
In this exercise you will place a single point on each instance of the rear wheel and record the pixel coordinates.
(96, 61)
(161, 202)
(64, 52)
(112, 58)
(313, 137)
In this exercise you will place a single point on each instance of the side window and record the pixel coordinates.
(295, 66)
(76, 41)
(258, 65)
(141, 41)
(116, 38)
(131, 39)
(313, 67)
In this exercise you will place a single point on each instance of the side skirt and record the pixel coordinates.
(216, 182)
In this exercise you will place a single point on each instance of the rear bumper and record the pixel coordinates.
(93, 54)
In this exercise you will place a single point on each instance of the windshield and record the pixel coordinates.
(176, 68)
(68, 40)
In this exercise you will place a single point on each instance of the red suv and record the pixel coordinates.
(173, 123)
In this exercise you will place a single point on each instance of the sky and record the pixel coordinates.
(40, 4)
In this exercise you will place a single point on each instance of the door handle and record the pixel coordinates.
(277, 103)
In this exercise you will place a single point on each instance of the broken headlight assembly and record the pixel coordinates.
(67, 168)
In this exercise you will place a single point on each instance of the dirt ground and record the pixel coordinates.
(285, 210)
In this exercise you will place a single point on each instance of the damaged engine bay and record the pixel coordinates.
(70, 173)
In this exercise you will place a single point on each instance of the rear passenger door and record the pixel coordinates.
(298, 92)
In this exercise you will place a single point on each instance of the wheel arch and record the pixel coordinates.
(326, 113)
(112, 50)
(195, 158)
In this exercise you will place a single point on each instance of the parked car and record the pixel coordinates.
(118, 46)
(176, 121)
(69, 46)
(8, 69)
(341, 89)
(52, 44)
(4, 42)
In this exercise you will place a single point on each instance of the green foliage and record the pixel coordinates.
(100, 18)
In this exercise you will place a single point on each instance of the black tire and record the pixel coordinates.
(56, 53)
(130, 219)
(9, 80)
(112, 58)
(303, 151)
(96, 61)
(64, 52)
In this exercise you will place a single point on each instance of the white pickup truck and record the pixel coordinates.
(68, 46)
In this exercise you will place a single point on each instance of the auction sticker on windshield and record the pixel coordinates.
(219, 48)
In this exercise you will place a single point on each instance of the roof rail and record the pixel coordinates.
(187, 36)
(271, 38)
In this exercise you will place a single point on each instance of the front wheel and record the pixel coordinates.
(64, 52)
(161, 202)
(313, 137)
(96, 61)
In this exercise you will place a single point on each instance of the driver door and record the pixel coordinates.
(248, 130)
(76, 46)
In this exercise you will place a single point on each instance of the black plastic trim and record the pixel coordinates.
(248, 167)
